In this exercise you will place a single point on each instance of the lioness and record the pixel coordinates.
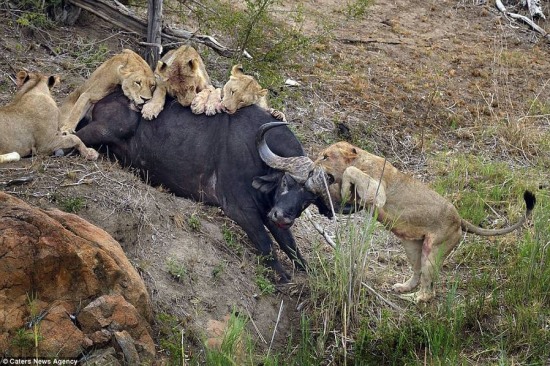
(29, 124)
(127, 69)
(239, 91)
(180, 73)
(428, 225)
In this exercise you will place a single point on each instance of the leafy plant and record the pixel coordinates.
(263, 282)
(231, 239)
(72, 204)
(194, 222)
(176, 269)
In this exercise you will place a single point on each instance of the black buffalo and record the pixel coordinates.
(214, 160)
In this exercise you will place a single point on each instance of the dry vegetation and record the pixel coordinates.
(452, 92)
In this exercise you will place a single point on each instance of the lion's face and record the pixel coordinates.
(241, 91)
(336, 158)
(183, 74)
(138, 85)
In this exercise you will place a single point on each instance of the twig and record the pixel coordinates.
(321, 230)
(275, 330)
(381, 297)
(255, 327)
(368, 40)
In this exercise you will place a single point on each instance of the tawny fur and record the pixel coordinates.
(239, 91)
(428, 225)
(127, 69)
(181, 74)
(29, 124)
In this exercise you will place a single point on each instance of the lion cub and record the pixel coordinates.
(126, 69)
(428, 225)
(240, 91)
(29, 124)
(181, 74)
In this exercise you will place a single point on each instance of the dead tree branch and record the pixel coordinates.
(117, 14)
(500, 6)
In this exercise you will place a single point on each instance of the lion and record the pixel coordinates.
(239, 91)
(127, 69)
(428, 225)
(181, 74)
(29, 124)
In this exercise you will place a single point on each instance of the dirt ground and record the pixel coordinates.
(407, 80)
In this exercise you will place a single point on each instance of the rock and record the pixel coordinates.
(114, 314)
(106, 356)
(126, 343)
(54, 263)
(59, 332)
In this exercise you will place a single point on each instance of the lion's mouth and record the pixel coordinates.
(136, 107)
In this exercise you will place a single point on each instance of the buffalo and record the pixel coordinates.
(229, 161)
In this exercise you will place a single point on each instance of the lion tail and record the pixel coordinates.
(530, 201)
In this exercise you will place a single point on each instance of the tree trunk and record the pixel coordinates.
(154, 32)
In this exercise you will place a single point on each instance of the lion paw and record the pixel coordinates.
(417, 297)
(151, 110)
(91, 154)
(404, 287)
(67, 131)
(198, 105)
(277, 114)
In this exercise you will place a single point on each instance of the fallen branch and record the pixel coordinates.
(396, 307)
(523, 18)
(318, 227)
(534, 8)
(117, 14)
(368, 40)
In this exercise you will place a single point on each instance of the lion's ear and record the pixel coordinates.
(160, 65)
(21, 78)
(263, 92)
(53, 80)
(122, 71)
(237, 70)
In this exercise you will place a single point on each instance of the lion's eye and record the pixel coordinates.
(232, 92)
(138, 83)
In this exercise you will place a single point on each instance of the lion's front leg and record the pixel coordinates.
(198, 105)
(76, 113)
(277, 114)
(368, 190)
(153, 107)
(214, 103)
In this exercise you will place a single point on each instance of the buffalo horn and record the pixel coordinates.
(297, 166)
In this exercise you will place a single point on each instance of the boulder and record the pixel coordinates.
(57, 269)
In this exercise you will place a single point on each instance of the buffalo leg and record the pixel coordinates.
(287, 243)
(252, 224)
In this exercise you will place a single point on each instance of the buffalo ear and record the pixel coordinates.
(266, 183)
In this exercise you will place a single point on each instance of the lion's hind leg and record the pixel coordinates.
(71, 141)
(413, 249)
